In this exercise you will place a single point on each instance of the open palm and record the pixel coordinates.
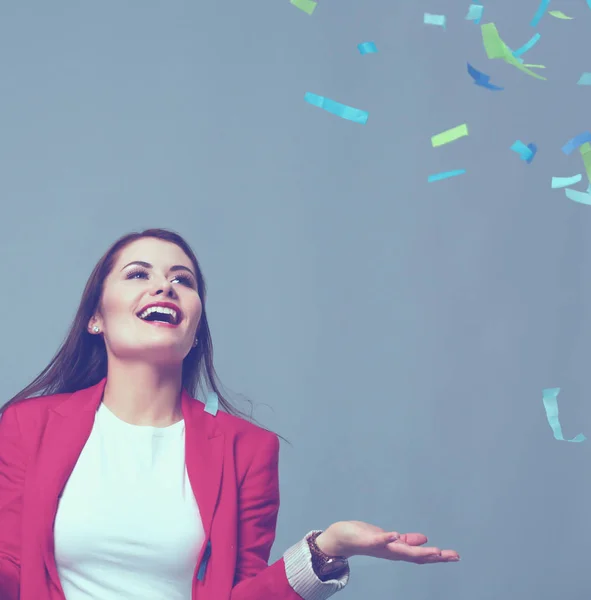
(363, 539)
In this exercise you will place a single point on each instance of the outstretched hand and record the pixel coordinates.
(355, 538)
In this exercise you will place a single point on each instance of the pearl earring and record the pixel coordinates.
(95, 329)
(195, 342)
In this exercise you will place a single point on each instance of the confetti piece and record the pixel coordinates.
(580, 197)
(526, 153)
(450, 135)
(528, 45)
(496, 48)
(577, 141)
(534, 151)
(535, 66)
(475, 13)
(445, 175)
(481, 79)
(585, 150)
(434, 20)
(560, 182)
(559, 14)
(340, 110)
(308, 6)
(585, 77)
(540, 12)
(367, 48)
(550, 398)
(212, 404)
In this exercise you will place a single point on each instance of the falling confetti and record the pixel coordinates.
(550, 398)
(445, 175)
(560, 182)
(308, 6)
(481, 79)
(559, 15)
(367, 48)
(450, 135)
(336, 108)
(540, 12)
(434, 20)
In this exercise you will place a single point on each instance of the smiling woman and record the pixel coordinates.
(82, 362)
(115, 482)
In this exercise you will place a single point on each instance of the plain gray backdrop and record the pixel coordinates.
(398, 333)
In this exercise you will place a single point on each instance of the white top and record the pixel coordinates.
(128, 525)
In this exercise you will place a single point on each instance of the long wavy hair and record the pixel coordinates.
(81, 361)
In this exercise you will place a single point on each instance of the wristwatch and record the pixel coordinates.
(326, 567)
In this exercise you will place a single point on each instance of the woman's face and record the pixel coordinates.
(149, 271)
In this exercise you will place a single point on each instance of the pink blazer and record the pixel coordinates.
(232, 466)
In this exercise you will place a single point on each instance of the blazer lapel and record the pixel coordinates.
(68, 427)
(204, 457)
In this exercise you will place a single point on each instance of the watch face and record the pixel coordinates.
(333, 565)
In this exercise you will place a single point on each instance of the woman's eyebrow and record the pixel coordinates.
(147, 265)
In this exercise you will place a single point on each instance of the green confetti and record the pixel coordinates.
(559, 15)
(308, 6)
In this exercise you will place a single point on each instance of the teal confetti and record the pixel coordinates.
(429, 19)
(527, 46)
(580, 197)
(475, 13)
(540, 12)
(336, 108)
(212, 404)
(367, 48)
(524, 152)
(561, 182)
(585, 77)
(445, 175)
(550, 397)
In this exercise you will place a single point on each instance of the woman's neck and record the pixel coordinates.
(144, 395)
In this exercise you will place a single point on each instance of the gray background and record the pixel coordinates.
(399, 333)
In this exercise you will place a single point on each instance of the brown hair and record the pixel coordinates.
(81, 362)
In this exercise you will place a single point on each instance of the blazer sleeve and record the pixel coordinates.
(289, 578)
(12, 476)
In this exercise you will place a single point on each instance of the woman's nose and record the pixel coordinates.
(162, 287)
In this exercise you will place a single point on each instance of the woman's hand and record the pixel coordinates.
(355, 538)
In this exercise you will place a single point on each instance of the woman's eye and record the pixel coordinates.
(184, 279)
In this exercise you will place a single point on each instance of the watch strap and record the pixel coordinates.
(326, 567)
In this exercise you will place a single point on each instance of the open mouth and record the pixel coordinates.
(160, 315)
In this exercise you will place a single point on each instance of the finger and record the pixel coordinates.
(391, 536)
(444, 556)
(413, 553)
(435, 559)
(414, 539)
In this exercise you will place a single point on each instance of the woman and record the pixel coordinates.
(116, 484)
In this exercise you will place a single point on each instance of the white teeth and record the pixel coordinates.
(159, 309)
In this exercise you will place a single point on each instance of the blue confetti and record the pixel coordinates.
(525, 152)
(445, 175)
(541, 10)
(527, 46)
(534, 150)
(340, 110)
(367, 48)
(577, 141)
(481, 79)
